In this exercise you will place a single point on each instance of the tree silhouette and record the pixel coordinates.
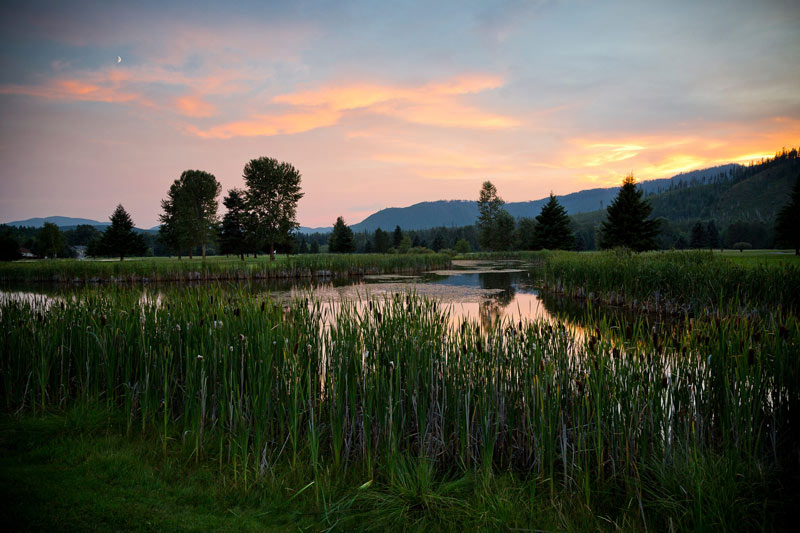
(233, 231)
(273, 190)
(493, 220)
(552, 230)
(397, 237)
(787, 223)
(381, 241)
(341, 240)
(119, 239)
(627, 224)
(175, 231)
(698, 239)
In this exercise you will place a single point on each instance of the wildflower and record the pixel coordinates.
(200, 357)
(230, 348)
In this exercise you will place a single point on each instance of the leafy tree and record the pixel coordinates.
(462, 246)
(50, 242)
(81, 235)
(315, 246)
(787, 223)
(490, 207)
(381, 241)
(234, 238)
(397, 237)
(119, 239)
(405, 245)
(627, 224)
(552, 230)
(341, 240)
(199, 191)
(175, 230)
(526, 234)
(273, 190)
(698, 238)
(503, 231)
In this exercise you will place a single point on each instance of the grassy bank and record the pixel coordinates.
(688, 427)
(678, 282)
(219, 268)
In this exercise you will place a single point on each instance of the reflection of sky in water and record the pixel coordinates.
(471, 292)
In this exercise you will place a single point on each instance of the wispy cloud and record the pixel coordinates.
(436, 104)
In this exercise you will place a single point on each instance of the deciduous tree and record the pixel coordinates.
(273, 190)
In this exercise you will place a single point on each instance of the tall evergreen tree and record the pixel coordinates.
(397, 237)
(233, 230)
(552, 230)
(787, 223)
(712, 235)
(627, 224)
(119, 239)
(490, 210)
(342, 240)
(381, 241)
(698, 239)
(273, 190)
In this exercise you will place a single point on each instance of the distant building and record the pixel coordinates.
(26, 254)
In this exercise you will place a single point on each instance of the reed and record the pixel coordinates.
(675, 282)
(218, 268)
(260, 386)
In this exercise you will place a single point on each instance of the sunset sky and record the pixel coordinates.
(383, 104)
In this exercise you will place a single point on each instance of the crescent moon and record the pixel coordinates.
(119, 59)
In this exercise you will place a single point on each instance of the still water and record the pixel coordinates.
(487, 292)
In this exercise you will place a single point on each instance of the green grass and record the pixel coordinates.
(688, 425)
(218, 268)
(678, 282)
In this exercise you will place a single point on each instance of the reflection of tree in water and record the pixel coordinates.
(491, 308)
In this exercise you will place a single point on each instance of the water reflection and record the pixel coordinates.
(491, 293)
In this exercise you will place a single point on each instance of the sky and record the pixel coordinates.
(383, 104)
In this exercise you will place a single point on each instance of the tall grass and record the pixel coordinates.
(674, 282)
(219, 268)
(257, 386)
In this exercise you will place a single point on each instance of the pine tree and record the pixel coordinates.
(492, 219)
(552, 230)
(787, 223)
(699, 239)
(119, 238)
(627, 224)
(397, 237)
(233, 231)
(381, 241)
(341, 240)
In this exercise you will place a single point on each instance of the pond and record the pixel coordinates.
(489, 292)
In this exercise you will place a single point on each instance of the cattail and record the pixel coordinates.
(751, 357)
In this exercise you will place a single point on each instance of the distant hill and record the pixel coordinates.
(61, 222)
(68, 223)
(454, 213)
